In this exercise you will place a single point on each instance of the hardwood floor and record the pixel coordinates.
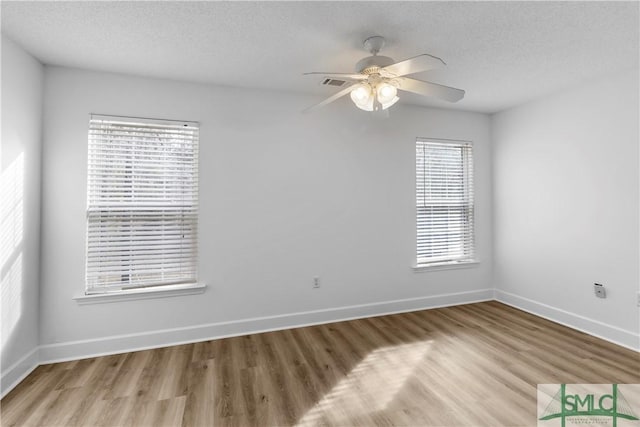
(470, 365)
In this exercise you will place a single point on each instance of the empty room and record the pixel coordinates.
(320, 213)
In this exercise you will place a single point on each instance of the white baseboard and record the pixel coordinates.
(133, 342)
(14, 374)
(596, 328)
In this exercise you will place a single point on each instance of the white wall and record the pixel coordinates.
(284, 197)
(20, 153)
(566, 201)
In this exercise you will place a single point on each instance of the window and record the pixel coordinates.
(142, 210)
(444, 202)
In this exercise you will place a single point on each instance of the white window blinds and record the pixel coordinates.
(444, 201)
(142, 213)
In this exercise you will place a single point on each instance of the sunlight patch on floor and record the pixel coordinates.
(371, 385)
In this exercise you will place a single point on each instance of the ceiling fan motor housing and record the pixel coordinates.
(372, 64)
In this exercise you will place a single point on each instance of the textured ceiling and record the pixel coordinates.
(501, 53)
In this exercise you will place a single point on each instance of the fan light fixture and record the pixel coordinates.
(365, 95)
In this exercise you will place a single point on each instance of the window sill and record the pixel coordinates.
(445, 266)
(138, 294)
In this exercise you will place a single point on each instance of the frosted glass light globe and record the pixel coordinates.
(386, 92)
(361, 94)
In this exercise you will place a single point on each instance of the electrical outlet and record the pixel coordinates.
(599, 290)
(316, 282)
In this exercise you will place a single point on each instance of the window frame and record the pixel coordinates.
(184, 208)
(468, 258)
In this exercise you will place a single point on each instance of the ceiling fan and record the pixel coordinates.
(377, 80)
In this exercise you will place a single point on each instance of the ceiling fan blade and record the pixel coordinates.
(330, 99)
(413, 65)
(343, 76)
(447, 93)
